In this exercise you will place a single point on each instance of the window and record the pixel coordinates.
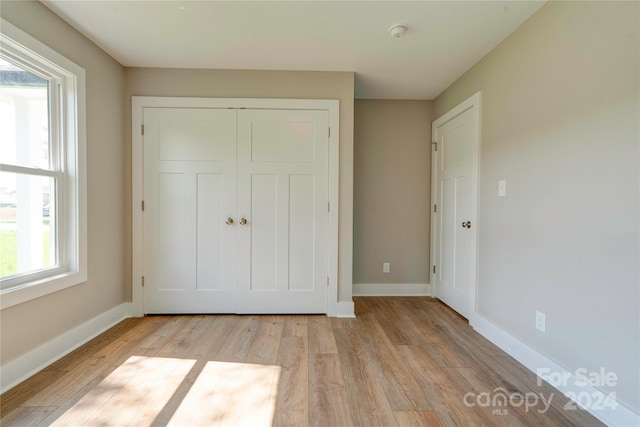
(42, 170)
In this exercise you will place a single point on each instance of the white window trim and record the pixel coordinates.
(74, 202)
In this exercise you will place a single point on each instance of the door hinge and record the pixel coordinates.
(329, 131)
(328, 206)
(143, 281)
(143, 205)
(142, 129)
(434, 269)
(435, 208)
(327, 281)
(435, 145)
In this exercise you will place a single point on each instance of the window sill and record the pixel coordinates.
(36, 289)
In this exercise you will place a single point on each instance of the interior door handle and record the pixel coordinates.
(466, 224)
(243, 221)
(229, 221)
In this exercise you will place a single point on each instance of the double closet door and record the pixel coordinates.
(235, 210)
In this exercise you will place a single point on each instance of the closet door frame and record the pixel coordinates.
(139, 103)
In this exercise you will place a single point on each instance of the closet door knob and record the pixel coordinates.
(229, 221)
(243, 221)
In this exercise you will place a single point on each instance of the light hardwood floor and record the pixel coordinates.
(402, 361)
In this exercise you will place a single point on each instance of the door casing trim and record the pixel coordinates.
(472, 103)
(139, 103)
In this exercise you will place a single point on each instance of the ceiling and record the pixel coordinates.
(445, 38)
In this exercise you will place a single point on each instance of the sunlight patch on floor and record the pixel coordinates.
(142, 388)
(132, 394)
(230, 394)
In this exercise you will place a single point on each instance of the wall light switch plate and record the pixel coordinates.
(502, 187)
(541, 320)
(386, 267)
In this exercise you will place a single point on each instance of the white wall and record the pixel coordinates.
(27, 326)
(560, 122)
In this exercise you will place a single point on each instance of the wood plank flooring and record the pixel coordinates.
(401, 362)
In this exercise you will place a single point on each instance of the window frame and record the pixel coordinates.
(68, 153)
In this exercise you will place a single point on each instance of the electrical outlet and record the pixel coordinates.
(541, 321)
(386, 267)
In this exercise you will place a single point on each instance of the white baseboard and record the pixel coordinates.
(391, 289)
(343, 309)
(30, 363)
(615, 415)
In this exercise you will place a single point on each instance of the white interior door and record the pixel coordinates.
(455, 196)
(189, 192)
(283, 196)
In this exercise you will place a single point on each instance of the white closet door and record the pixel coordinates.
(283, 196)
(454, 195)
(189, 192)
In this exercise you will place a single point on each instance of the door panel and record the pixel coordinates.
(264, 232)
(301, 228)
(283, 141)
(283, 193)
(462, 237)
(210, 231)
(189, 190)
(447, 228)
(173, 249)
(201, 139)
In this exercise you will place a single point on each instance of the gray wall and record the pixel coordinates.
(28, 325)
(392, 178)
(560, 122)
(258, 84)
